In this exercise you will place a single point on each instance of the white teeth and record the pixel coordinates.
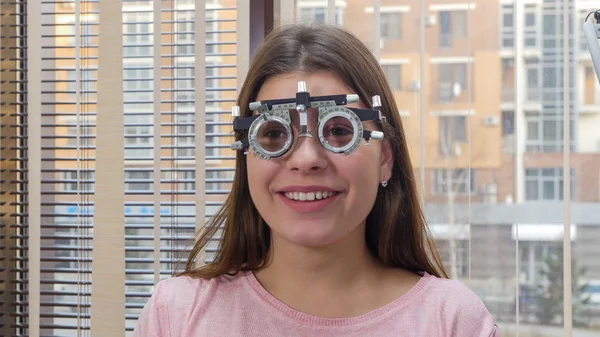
(308, 196)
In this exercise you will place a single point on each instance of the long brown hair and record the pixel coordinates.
(396, 232)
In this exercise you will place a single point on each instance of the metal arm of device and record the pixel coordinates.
(591, 31)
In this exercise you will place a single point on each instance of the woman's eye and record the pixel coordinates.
(274, 133)
(339, 131)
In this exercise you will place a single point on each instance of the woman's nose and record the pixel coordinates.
(307, 155)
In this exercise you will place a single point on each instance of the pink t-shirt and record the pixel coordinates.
(240, 306)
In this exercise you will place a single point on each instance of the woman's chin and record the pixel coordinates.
(316, 235)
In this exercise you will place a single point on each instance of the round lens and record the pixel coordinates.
(338, 132)
(272, 136)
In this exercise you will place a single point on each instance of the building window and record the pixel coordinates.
(531, 27)
(85, 136)
(186, 135)
(86, 85)
(185, 84)
(393, 73)
(139, 181)
(453, 81)
(508, 80)
(453, 130)
(213, 180)
(138, 82)
(69, 181)
(453, 25)
(319, 14)
(461, 251)
(188, 182)
(533, 255)
(212, 83)
(508, 27)
(211, 139)
(185, 31)
(391, 25)
(453, 181)
(137, 34)
(138, 137)
(533, 84)
(508, 123)
(545, 184)
(545, 132)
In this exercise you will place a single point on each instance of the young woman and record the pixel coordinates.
(323, 233)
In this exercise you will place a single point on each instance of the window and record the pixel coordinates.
(212, 141)
(189, 181)
(86, 136)
(391, 25)
(186, 135)
(210, 177)
(545, 184)
(508, 122)
(138, 136)
(453, 25)
(508, 80)
(137, 82)
(139, 181)
(85, 35)
(531, 27)
(393, 73)
(69, 181)
(545, 132)
(453, 130)
(453, 181)
(533, 255)
(212, 83)
(533, 80)
(185, 83)
(319, 14)
(184, 33)
(453, 81)
(86, 85)
(508, 27)
(214, 179)
(460, 247)
(137, 34)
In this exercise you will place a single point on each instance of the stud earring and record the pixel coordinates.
(384, 183)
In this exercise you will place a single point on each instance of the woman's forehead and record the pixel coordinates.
(319, 83)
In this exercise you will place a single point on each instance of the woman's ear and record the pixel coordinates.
(387, 160)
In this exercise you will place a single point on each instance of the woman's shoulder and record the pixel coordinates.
(191, 289)
(176, 299)
(459, 308)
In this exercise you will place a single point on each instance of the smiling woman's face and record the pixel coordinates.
(310, 196)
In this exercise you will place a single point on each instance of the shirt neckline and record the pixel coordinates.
(366, 318)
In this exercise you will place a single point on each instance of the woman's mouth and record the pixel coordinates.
(309, 196)
(307, 202)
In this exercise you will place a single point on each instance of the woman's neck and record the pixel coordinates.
(340, 280)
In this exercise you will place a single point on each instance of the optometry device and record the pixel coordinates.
(270, 133)
(591, 31)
